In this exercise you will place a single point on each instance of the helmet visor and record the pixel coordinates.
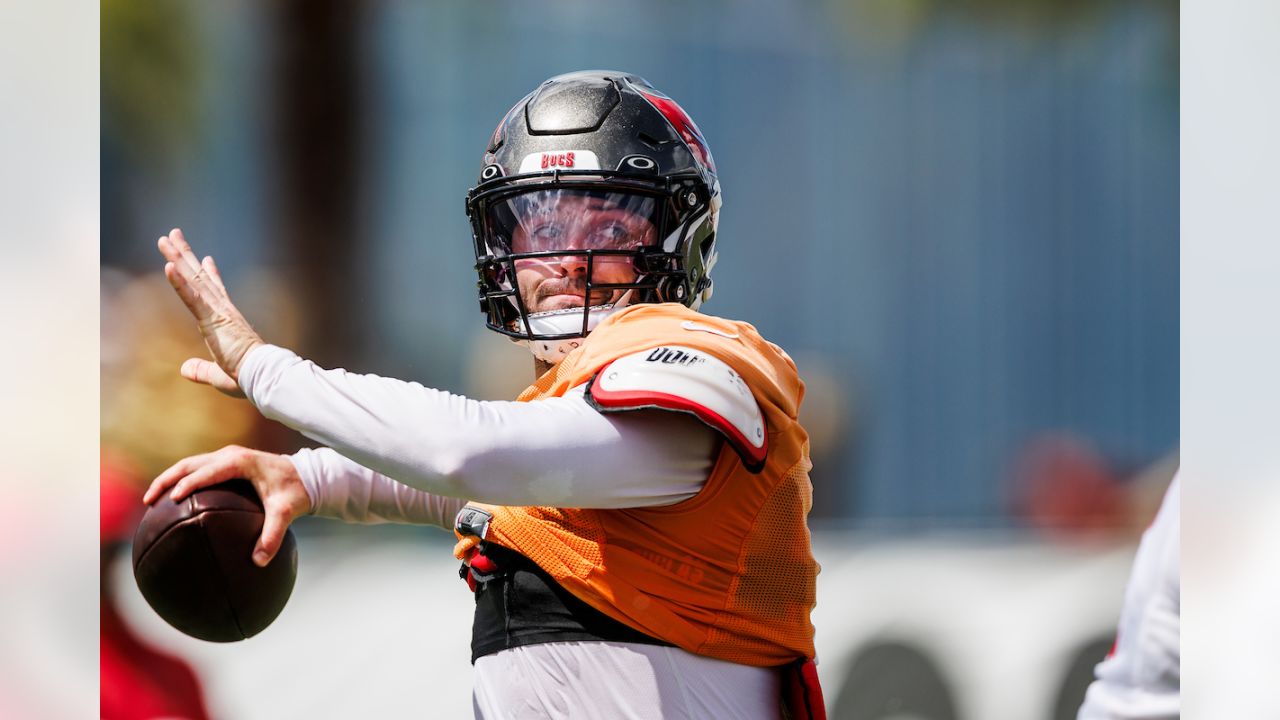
(559, 219)
(557, 249)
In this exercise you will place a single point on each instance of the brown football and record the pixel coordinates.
(191, 561)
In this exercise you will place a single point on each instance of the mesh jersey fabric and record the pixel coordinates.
(727, 573)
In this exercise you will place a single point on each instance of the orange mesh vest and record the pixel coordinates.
(727, 573)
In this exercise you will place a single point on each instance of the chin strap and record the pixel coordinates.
(568, 320)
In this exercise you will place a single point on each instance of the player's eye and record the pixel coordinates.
(610, 235)
(547, 232)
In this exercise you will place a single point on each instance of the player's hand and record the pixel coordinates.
(273, 476)
(227, 334)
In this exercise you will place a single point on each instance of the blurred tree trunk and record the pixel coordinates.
(317, 118)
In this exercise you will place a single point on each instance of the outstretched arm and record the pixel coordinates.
(559, 452)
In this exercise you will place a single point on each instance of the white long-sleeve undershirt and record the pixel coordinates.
(386, 433)
(346, 490)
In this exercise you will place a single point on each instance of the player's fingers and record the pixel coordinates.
(274, 525)
(190, 296)
(211, 269)
(206, 372)
(171, 475)
(179, 239)
(172, 253)
(167, 249)
(219, 469)
(196, 370)
(180, 242)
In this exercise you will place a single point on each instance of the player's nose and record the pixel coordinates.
(573, 264)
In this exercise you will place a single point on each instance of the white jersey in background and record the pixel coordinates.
(1141, 679)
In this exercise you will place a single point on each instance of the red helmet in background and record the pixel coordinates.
(120, 503)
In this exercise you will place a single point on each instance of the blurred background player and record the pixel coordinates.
(638, 544)
(138, 681)
(1141, 678)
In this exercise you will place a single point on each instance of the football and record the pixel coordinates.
(191, 560)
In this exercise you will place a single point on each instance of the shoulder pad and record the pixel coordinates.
(679, 378)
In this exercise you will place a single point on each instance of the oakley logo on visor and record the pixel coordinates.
(565, 159)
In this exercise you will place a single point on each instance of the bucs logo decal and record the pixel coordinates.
(564, 160)
(578, 159)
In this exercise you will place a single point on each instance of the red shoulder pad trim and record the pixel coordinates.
(621, 400)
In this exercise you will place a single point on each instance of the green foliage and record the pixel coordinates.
(150, 71)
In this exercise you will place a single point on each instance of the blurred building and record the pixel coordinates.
(965, 215)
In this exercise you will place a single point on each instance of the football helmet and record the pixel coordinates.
(596, 192)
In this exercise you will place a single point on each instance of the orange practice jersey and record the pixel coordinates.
(727, 573)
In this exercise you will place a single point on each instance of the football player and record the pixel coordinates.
(634, 524)
(1141, 679)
